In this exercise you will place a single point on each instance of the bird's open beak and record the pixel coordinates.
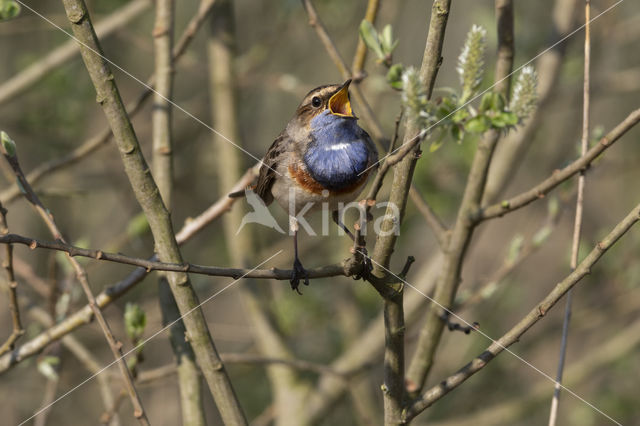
(339, 103)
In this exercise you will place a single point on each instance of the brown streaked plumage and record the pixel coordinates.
(299, 153)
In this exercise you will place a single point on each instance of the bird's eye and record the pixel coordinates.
(316, 102)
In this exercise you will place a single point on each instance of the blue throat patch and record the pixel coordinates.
(338, 152)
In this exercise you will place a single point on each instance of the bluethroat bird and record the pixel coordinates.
(321, 158)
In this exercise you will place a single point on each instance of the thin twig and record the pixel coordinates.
(393, 159)
(14, 307)
(361, 50)
(577, 227)
(344, 268)
(439, 230)
(81, 274)
(243, 358)
(612, 347)
(86, 358)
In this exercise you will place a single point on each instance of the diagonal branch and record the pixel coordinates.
(538, 312)
(148, 196)
(81, 274)
(558, 176)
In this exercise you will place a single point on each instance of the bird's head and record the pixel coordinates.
(331, 99)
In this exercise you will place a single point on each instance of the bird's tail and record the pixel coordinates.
(240, 194)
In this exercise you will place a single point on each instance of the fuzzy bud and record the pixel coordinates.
(525, 96)
(414, 98)
(471, 61)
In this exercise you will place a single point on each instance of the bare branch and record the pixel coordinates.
(189, 383)
(80, 351)
(368, 346)
(147, 194)
(345, 268)
(536, 314)
(14, 307)
(403, 172)
(506, 48)
(81, 274)
(558, 176)
(161, 125)
(393, 389)
(577, 226)
(288, 391)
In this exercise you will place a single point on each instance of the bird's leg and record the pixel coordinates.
(298, 270)
(336, 218)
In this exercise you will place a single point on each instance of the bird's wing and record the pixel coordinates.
(267, 174)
